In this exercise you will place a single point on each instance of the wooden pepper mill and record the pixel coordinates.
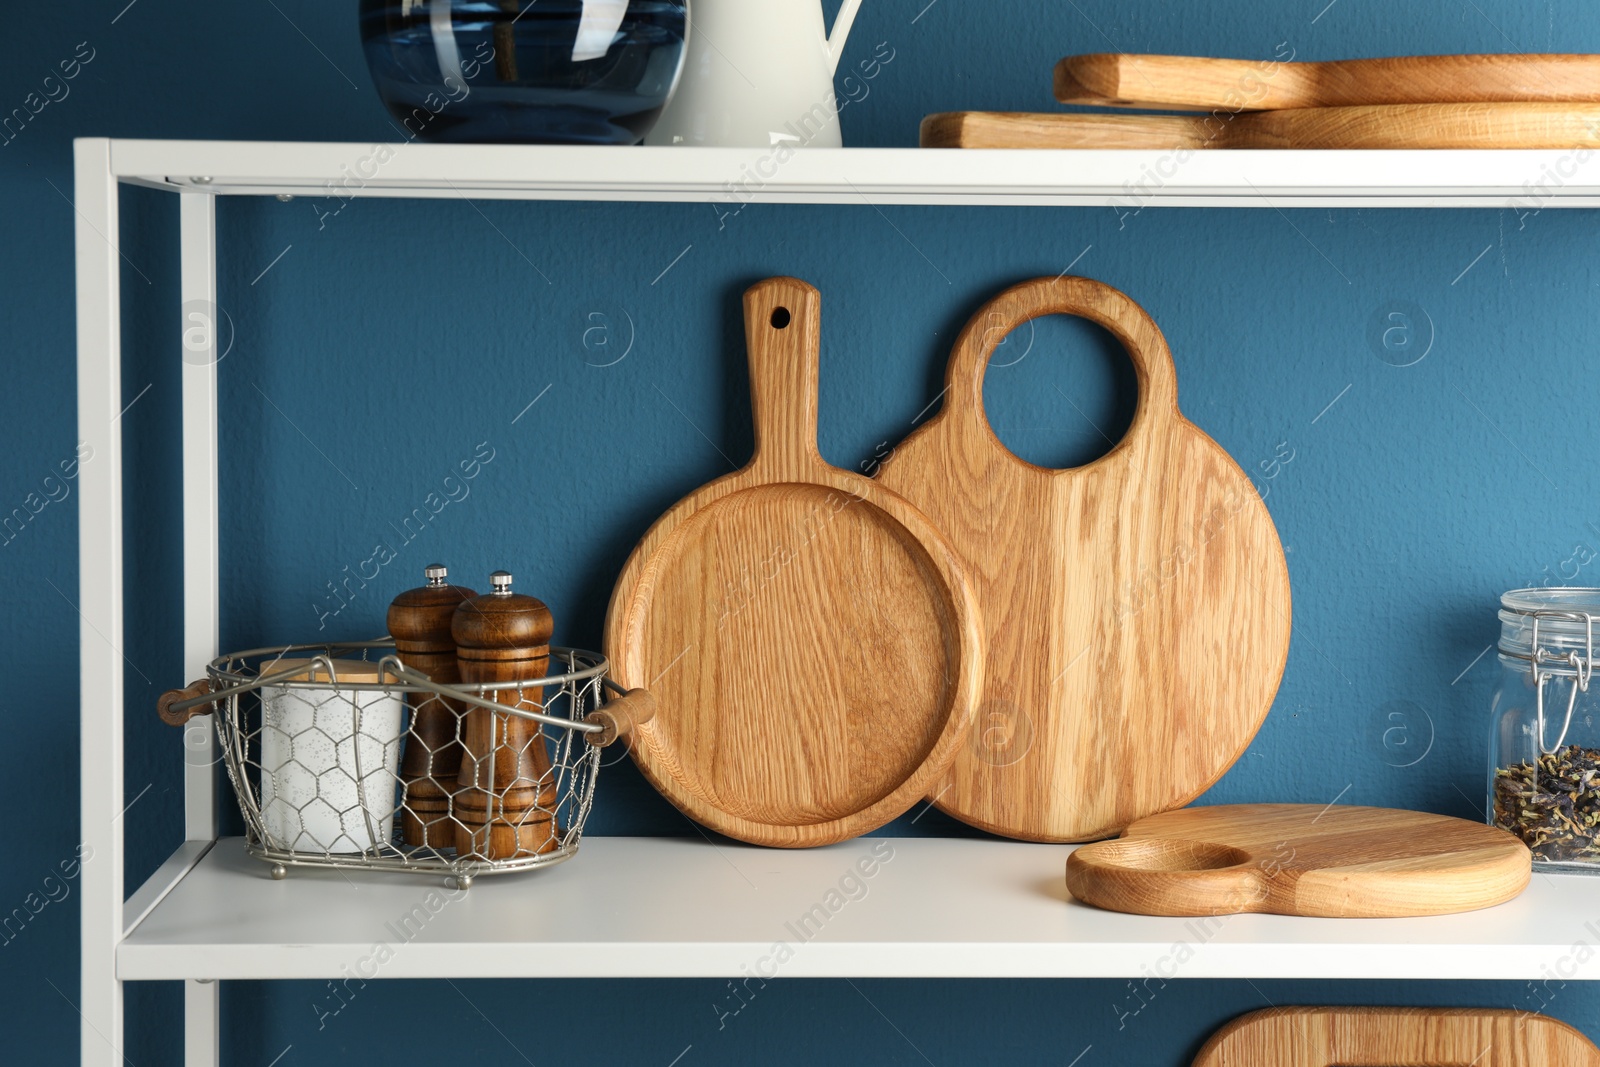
(505, 803)
(419, 622)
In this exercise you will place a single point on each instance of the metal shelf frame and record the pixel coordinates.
(119, 931)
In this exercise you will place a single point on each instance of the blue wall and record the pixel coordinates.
(1420, 494)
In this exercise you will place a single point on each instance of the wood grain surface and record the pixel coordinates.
(1397, 1037)
(809, 636)
(419, 622)
(1198, 83)
(506, 795)
(1301, 859)
(1136, 609)
(1390, 126)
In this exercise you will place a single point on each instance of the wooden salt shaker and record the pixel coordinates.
(419, 622)
(505, 804)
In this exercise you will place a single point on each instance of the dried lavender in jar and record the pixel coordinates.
(1553, 804)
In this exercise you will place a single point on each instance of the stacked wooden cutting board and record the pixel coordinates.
(1462, 101)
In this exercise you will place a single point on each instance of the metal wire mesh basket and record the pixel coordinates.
(340, 756)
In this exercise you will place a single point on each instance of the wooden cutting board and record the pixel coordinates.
(1197, 83)
(1388, 126)
(1136, 609)
(810, 638)
(1397, 1037)
(1300, 859)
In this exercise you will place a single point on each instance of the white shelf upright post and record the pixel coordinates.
(204, 329)
(99, 599)
(101, 593)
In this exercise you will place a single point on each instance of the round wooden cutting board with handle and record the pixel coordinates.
(1301, 859)
(1136, 610)
(810, 637)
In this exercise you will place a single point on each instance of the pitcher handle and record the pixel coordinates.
(841, 32)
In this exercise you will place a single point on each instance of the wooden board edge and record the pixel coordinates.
(1093, 78)
(942, 129)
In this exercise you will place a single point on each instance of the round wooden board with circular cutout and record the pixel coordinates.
(810, 638)
(1136, 609)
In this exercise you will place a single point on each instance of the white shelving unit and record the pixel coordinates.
(935, 907)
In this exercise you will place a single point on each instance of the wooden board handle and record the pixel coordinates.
(620, 715)
(1084, 298)
(1182, 83)
(782, 329)
(172, 696)
(1165, 876)
(1016, 129)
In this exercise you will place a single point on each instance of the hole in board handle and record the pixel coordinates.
(780, 318)
(1168, 855)
(1058, 413)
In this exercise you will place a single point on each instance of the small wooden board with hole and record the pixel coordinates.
(1397, 1037)
(1301, 859)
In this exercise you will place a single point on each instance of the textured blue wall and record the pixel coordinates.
(388, 340)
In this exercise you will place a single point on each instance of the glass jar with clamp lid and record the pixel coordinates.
(1544, 742)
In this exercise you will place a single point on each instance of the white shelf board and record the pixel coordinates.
(676, 907)
(1127, 180)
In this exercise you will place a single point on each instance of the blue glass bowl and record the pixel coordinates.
(524, 71)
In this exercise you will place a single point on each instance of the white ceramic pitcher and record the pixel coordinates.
(759, 72)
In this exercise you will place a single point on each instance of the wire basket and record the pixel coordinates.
(384, 769)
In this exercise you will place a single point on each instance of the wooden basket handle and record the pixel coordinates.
(172, 696)
(1087, 299)
(620, 715)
